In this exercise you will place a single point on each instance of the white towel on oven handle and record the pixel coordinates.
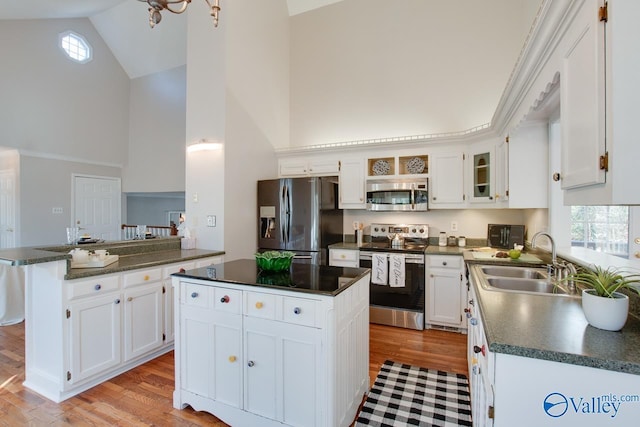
(379, 269)
(396, 271)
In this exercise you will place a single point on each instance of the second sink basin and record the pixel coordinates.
(524, 285)
(518, 272)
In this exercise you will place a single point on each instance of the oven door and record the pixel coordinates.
(407, 297)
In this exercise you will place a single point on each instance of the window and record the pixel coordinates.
(602, 228)
(75, 46)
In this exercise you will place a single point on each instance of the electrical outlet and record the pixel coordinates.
(195, 197)
(56, 211)
(454, 226)
(211, 220)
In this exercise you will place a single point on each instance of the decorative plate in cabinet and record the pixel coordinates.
(381, 166)
(414, 165)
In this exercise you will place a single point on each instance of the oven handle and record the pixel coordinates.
(408, 258)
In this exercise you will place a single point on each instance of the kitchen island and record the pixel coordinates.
(259, 348)
(86, 325)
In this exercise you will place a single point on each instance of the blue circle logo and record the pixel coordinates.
(555, 405)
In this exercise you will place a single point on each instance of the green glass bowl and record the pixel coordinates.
(274, 260)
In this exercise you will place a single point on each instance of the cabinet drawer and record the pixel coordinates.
(227, 300)
(142, 276)
(196, 295)
(299, 311)
(344, 257)
(261, 305)
(176, 268)
(445, 261)
(92, 287)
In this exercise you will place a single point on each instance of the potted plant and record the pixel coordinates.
(603, 306)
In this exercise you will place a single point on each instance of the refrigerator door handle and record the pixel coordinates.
(286, 223)
(283, 219)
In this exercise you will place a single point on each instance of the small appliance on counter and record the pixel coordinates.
(504, 236)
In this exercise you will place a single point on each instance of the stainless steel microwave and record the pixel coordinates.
(398, 195)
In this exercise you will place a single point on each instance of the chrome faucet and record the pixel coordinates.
(553, 245)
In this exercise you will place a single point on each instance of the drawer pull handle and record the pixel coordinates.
(225, 299)
(232, 359)
(117, 301)
(250, 363)
(130, 299)
(146, 277)
(194, 295)
(297, 310)
(259, 305)
(97, 287)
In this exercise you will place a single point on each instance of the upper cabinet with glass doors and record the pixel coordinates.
(482, 162)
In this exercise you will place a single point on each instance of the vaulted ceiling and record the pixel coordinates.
(123, 26)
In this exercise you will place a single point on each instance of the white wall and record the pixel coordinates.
(152, 208)
(46, 183)
(50, 104)
(156, 155)
(367, 69)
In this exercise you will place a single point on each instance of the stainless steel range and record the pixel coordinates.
(395, 256)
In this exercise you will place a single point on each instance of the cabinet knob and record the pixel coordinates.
(130, 299)
(97, 287)
(117, 301)
(444, 262)
(434, 198)
(250, 363)
(225, 299)
(297, 310)
(232, 359)
(182, 270)
(194, 295)
(259, 305)
(146, 277)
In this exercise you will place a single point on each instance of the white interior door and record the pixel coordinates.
(7, 209)
(97, 206)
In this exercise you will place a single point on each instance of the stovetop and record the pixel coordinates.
(415, 236)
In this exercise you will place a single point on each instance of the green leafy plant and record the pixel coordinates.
(606, 281)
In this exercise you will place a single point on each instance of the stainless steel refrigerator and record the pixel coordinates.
(299, 215)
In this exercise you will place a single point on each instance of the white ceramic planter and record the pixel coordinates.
(609, 314)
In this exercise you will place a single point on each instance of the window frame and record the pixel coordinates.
(81, 39)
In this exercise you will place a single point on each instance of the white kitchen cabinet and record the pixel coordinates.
(308, 167)
(482, 173)
(95, 335)
(481, 366)
(599, 93)
(527, 167)
(447, 180)
(446, 295)
(271, 357)
(351, 184)
(344, 257)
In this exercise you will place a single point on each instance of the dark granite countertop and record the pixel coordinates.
(142, 260)
(305, 278)
(133, 254)
(552, 327)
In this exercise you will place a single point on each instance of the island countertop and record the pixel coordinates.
(306, 278)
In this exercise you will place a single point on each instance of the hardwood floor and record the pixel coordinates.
(143, 396)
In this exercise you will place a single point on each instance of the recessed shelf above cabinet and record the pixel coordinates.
(413, 165)
(381, 166)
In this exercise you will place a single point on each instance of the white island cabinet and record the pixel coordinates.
(81, 332)
(264, 356)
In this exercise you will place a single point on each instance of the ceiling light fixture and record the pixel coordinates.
(157, 6)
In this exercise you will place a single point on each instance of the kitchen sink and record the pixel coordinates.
(524, 285)
(519, 272)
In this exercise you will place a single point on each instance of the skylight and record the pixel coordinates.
(75, 46)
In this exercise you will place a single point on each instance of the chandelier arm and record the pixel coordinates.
(182, 8)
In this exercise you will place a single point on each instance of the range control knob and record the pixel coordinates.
(413, 230)
(422, 231)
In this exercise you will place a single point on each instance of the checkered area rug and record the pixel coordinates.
(405, 395)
